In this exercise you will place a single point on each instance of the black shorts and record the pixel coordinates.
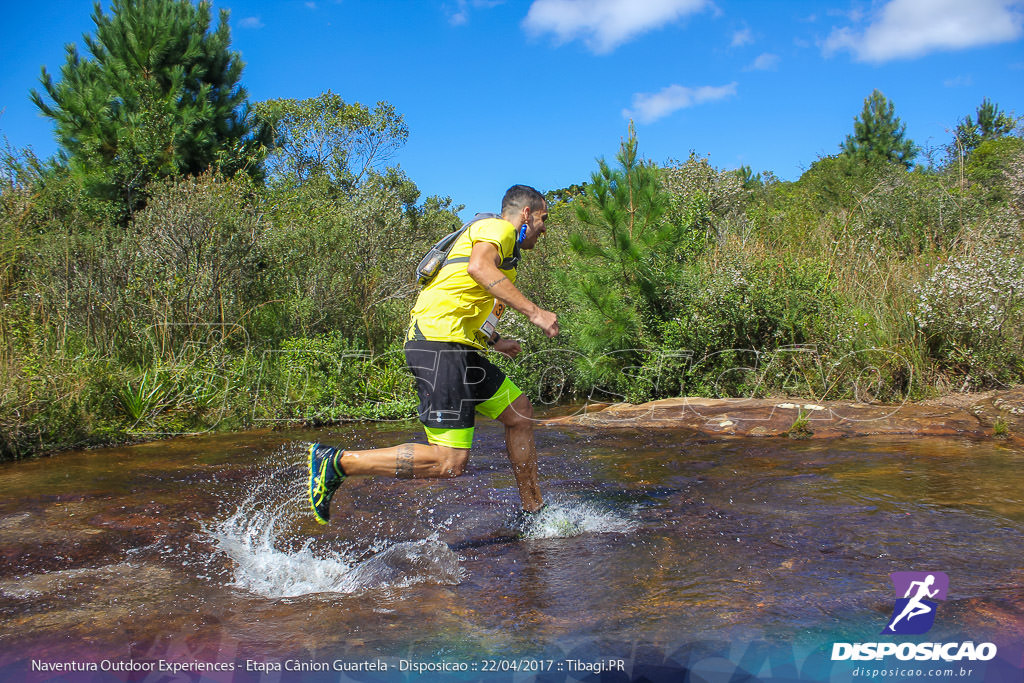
(454, 382)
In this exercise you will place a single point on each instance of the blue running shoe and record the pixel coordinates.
(325, 476)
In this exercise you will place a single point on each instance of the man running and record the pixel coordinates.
(453, 320)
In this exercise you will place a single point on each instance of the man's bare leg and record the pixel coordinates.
(522, 451)
(407, 461)
(329, 466)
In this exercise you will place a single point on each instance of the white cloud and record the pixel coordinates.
(911, 28)
(250, 22)
(959, 82)
(460, 14)
(740, 38)
(605, 24)
(649, 107)
(765, 62)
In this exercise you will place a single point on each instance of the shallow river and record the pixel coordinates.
(658, 555)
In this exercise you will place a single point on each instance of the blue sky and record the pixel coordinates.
(501, 92)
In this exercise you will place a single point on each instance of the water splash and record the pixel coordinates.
(272, 560)
(564, 519)
(273, 555)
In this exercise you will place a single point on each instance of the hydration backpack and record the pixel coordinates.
(437, 257)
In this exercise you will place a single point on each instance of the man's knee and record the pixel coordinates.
(450, 462)
(519, 413)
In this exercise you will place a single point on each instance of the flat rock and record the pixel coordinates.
(980, 415)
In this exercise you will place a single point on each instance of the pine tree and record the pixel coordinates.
(992, 123)
(160, 96)
(878, 135)
(628, 254)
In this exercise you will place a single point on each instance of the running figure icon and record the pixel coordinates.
(916, 606)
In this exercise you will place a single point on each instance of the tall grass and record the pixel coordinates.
(225, 305)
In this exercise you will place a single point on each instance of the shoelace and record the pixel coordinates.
(321, 481)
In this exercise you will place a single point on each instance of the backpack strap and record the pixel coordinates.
(507, 263)
(465, 228)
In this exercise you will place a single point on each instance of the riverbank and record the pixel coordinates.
(995, 414)
(990, 414)
(845, 280)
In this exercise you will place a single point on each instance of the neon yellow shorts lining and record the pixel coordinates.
(503, 397)
(453, 438)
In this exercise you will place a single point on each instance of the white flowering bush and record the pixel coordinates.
(713, 200)
(971, 308)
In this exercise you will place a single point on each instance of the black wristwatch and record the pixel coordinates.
(491, 341)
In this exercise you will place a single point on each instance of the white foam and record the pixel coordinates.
(271, 557)
(564, 519)
(255, 538)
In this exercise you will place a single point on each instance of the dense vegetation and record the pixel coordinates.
(193, 262)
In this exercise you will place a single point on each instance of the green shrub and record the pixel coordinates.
(971, 308)
(736, 312)
(326, 378)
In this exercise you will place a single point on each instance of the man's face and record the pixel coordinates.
(535, 226)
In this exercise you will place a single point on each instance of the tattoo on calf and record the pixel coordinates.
(403, 464)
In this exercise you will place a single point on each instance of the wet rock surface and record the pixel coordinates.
(203, 549)
(997, 414)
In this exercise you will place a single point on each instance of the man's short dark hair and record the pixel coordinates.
(520, 196)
